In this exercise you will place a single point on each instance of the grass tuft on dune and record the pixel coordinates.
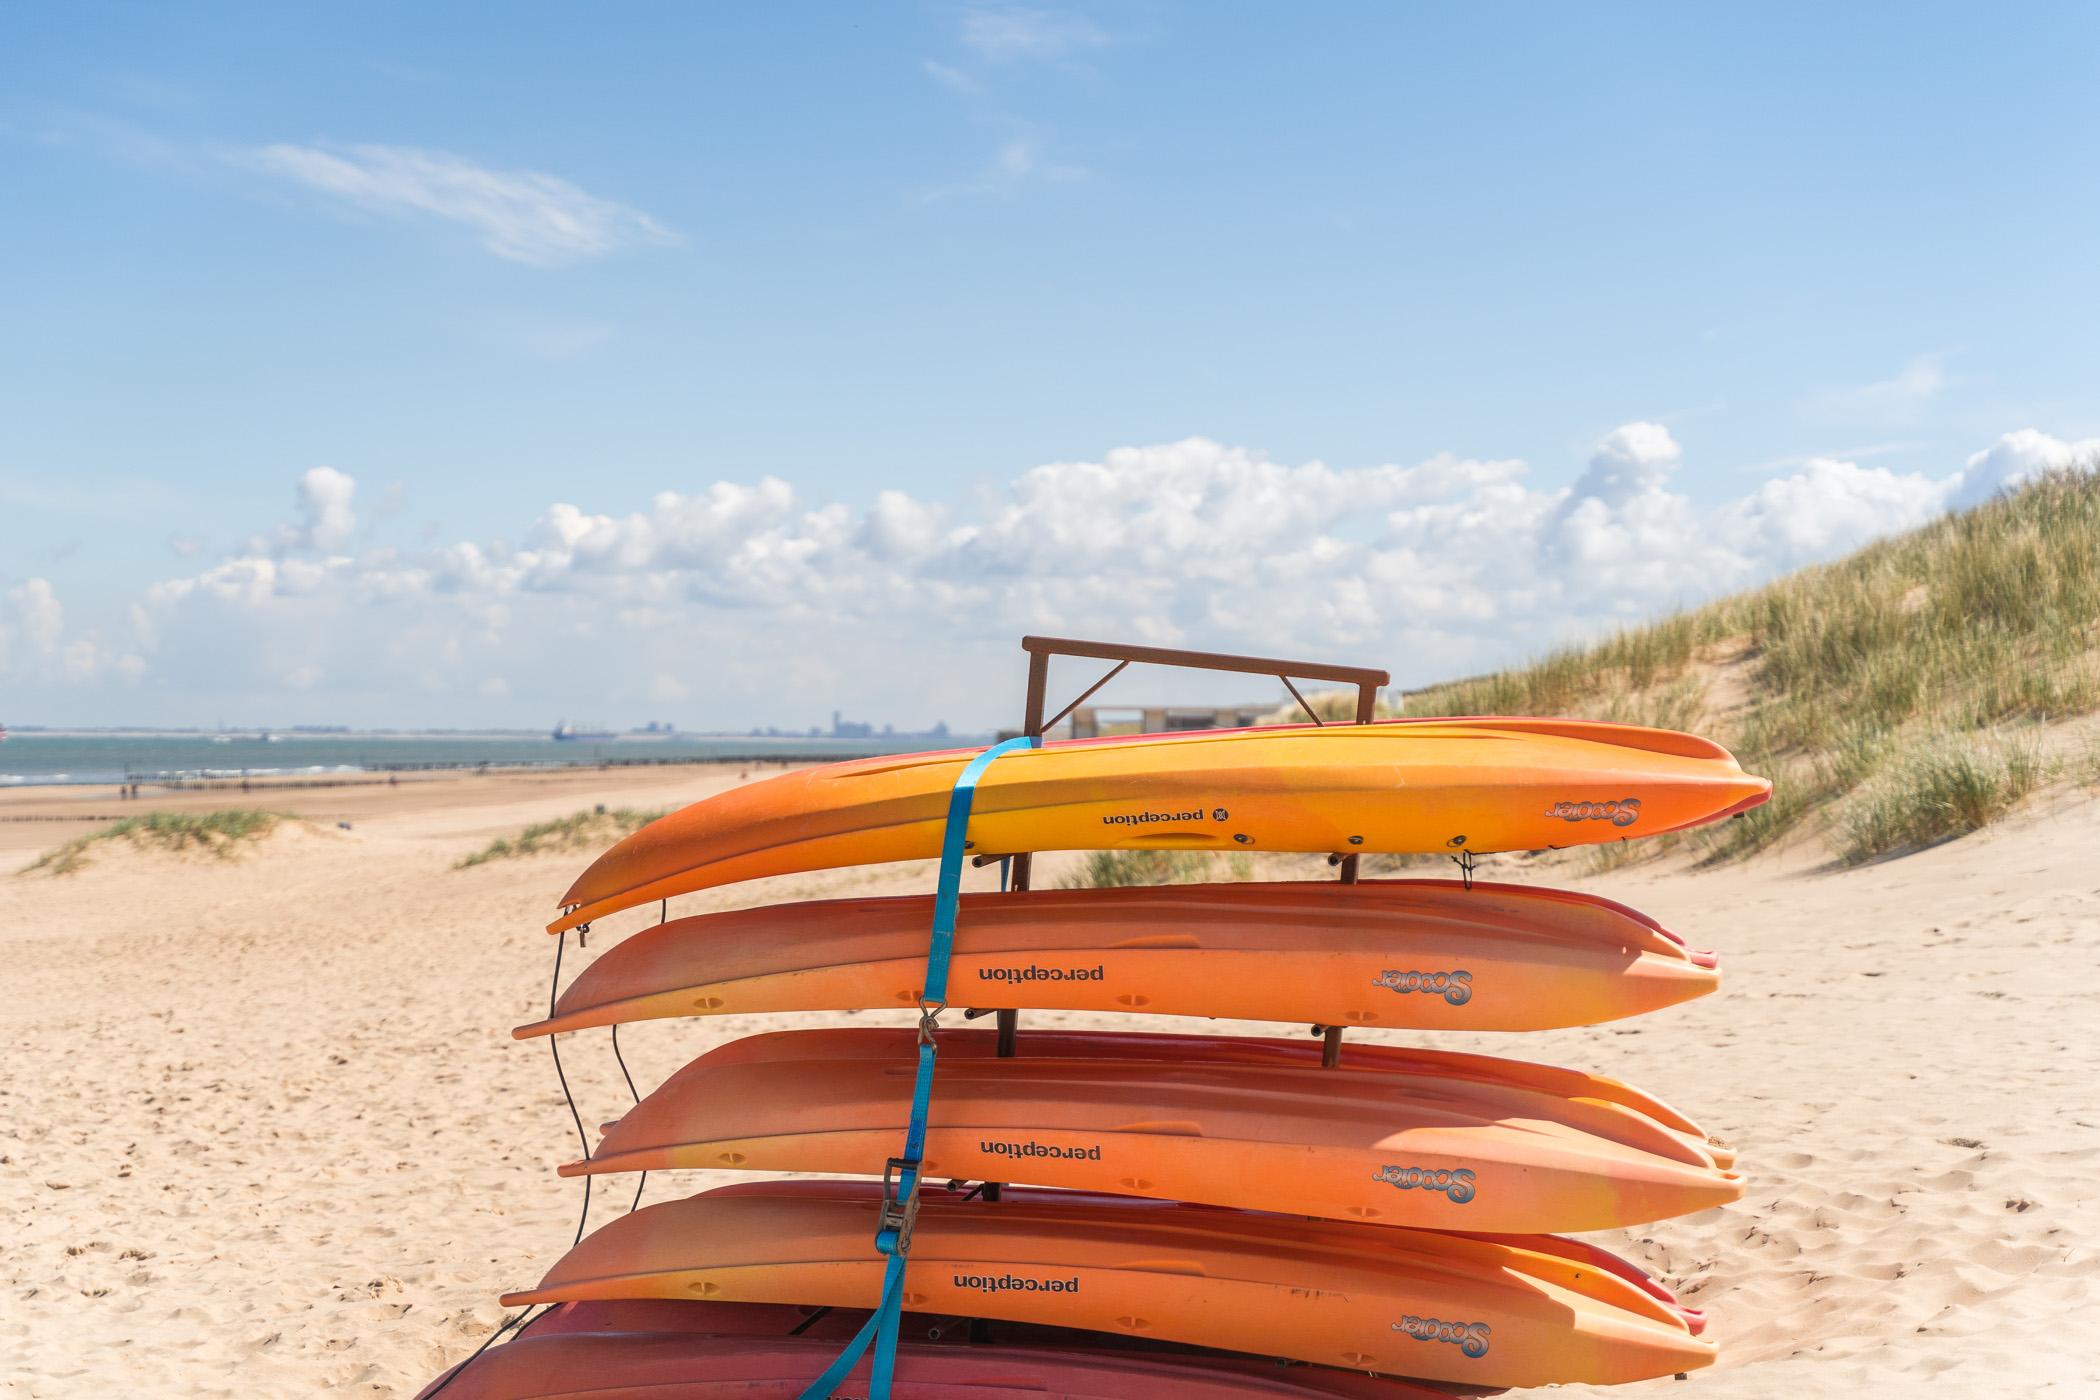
(215, 833)
(579, 831)
(1940, 789)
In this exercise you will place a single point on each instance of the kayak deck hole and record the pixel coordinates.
(704, 1288)
(707, 1003)
(1181, 1268)
(1132, 999)
(1161, 940)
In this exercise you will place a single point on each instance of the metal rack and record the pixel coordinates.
(1367, 680)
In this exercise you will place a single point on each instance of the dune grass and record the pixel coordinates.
(215, 833)
(1940, 788)
(1911, 673)
(1104, 869)
(579, 831)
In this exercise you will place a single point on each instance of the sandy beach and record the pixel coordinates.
(266, 1132)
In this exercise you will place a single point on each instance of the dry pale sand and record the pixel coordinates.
(264, 1132)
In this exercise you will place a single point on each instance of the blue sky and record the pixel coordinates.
(483, 264)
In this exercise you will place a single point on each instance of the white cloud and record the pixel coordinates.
(325, 513)
(36, 614)
(771, 607)
(1024, 32)
(35, 647)
(1826, 509)
(2017, 457)
(1634, 460)
(746, 603)
(522, 215)
(324, 503)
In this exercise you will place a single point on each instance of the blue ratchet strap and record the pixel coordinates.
(900, 1176)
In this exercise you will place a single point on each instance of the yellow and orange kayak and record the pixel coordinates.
(1360, 1297)
(1415, 954)
(1404, 785)
(1381, 1145)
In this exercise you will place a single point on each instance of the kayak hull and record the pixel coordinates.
(1395, 1147)
(751, 1351)
(1410, 954)
(1358, 1297)
(881, 1042)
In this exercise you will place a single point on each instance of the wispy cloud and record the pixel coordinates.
(522, 215)
(954, 79)
(1897, 399)
(1023, 32)
(1017, 164)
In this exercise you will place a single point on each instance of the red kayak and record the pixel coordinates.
(711, 1351)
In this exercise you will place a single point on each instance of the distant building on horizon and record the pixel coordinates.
(850, 729)
(843, 728)
(1094, 721)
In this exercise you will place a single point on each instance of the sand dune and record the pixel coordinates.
(266, 1132)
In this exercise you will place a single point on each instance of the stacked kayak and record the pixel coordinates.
(757, 1351)
(1366, 1298)
(1184, 1117)
(1479, 785)
(1194, 1209)
(1412, 954)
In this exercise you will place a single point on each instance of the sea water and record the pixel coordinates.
(28, 759)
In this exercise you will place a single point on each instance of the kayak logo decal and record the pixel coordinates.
(1457, 1183)
(1014, 1283)
(1035, 972)
(1018, 1151)
(1469, 1337)
(1455, 987)
(1150, 818)
(1625, 812)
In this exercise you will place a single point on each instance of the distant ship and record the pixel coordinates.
(566, 732)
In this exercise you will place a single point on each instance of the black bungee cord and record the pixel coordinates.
(583, 1218)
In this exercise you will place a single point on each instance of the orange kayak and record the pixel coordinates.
(1392, 1146)
(878, 1042)
(756, 1351)
(1414, 954)
(1359, 1297)
(1403, 785)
